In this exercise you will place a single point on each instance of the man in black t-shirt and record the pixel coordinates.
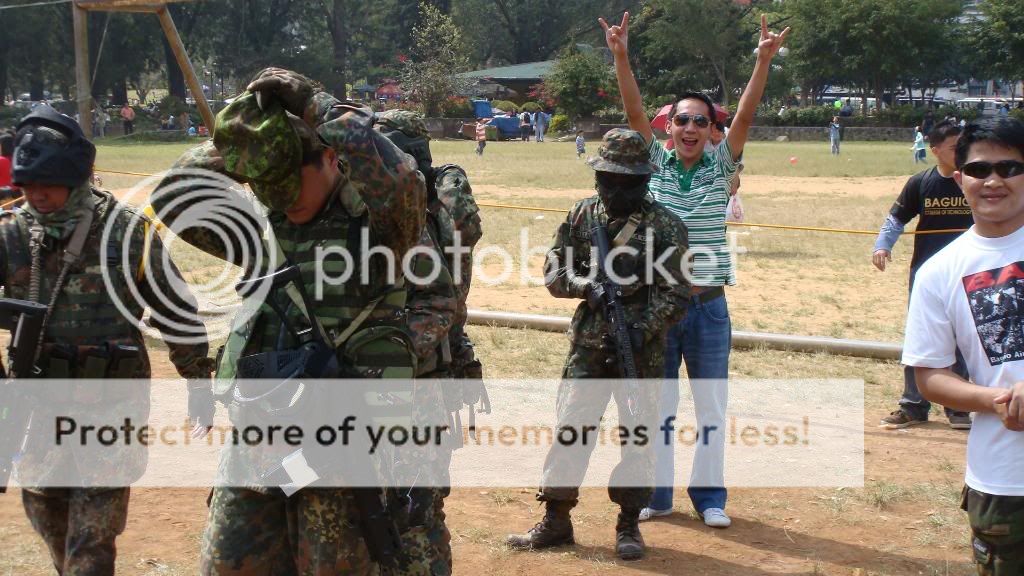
(936, 199)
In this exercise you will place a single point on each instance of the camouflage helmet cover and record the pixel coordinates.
(264, 147)
(624, 152)
(408, 122)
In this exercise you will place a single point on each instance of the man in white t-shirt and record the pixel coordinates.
(971, 295)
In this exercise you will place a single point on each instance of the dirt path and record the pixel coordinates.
(790, 531)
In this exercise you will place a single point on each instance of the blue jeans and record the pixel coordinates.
(702, 340)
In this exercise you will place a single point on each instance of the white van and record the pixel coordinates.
(987, 107)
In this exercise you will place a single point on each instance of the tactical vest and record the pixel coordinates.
(378, 347)
(84, 315)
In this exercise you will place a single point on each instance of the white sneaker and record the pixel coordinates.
(648, 513)
(716, 518)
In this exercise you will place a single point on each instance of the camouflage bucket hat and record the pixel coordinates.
(409, 123)
(624, 152)
(262, 147)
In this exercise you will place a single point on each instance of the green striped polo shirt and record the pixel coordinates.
(699, 197)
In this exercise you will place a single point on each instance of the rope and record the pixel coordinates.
(748, 224)
(49, 3)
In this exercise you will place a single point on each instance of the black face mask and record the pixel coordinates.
(621, 194)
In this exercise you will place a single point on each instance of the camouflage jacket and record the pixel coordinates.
(653, 303)
(86, 314)
(432, 306)
(456, 195)
(86, 317)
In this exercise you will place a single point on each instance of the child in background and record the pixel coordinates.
(581, 146)
(481, 135)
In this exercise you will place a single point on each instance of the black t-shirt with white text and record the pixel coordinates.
(940, 205)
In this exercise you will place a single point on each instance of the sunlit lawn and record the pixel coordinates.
(789, 282)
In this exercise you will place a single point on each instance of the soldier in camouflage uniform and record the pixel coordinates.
(452, 221)
(324, 174)
(52, 163)
(652, 304)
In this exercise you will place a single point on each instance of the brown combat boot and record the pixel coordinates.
(555, 529)
(629, 544)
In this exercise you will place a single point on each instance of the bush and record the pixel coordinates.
(531, 107)
(899, 116)
(11, 115)
(611, 115)
(171, 105)
(456, 107)
(504, 105)
(560, 124)
(1017, 113)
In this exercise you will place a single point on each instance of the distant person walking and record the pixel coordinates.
(128, 119)
(834, 134)
(540, 124)
(919, 146)
(524, 126)
(581, 144)
(481, 135)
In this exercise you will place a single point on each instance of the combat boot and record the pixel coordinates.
(555, 529)
(629, 544)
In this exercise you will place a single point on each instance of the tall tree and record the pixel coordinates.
(438, 55)
(714, 52)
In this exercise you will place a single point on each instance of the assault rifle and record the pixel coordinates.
(616, 316)
(24, 320)
(315, 359)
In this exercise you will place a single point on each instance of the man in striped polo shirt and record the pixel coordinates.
(694, 185)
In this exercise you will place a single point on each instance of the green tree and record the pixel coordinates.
(582, 83)
(438, 54)
(695, 44)
(996, 41)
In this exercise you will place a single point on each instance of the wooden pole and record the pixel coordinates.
(83, 84)
(167, 23)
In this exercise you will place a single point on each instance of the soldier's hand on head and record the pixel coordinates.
(595, 295)
(201, 406)
(291, 89)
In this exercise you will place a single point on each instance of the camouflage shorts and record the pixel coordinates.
(997, 529)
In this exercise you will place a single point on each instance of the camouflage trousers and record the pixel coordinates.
(79, 526)
(997, 529)
(313, 533)
(583, 396)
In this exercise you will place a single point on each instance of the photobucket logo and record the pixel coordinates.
(208, 210)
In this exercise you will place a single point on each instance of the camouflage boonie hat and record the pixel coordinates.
(624, 152)
(264, 147)
(409, 123)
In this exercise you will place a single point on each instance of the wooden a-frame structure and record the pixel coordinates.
(83, 91)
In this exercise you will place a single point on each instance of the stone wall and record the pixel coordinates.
(814, 134)
(594, 130)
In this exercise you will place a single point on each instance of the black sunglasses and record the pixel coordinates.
(1005, 169)
(683, 119)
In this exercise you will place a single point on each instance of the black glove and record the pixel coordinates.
(636, 338)
(291, 89)
(595, 296)
(200, 402)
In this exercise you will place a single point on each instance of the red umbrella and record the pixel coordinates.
(660, 121)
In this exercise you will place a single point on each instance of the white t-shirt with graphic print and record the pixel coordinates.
(971, 295)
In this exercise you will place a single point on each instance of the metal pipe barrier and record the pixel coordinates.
(740, 339)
